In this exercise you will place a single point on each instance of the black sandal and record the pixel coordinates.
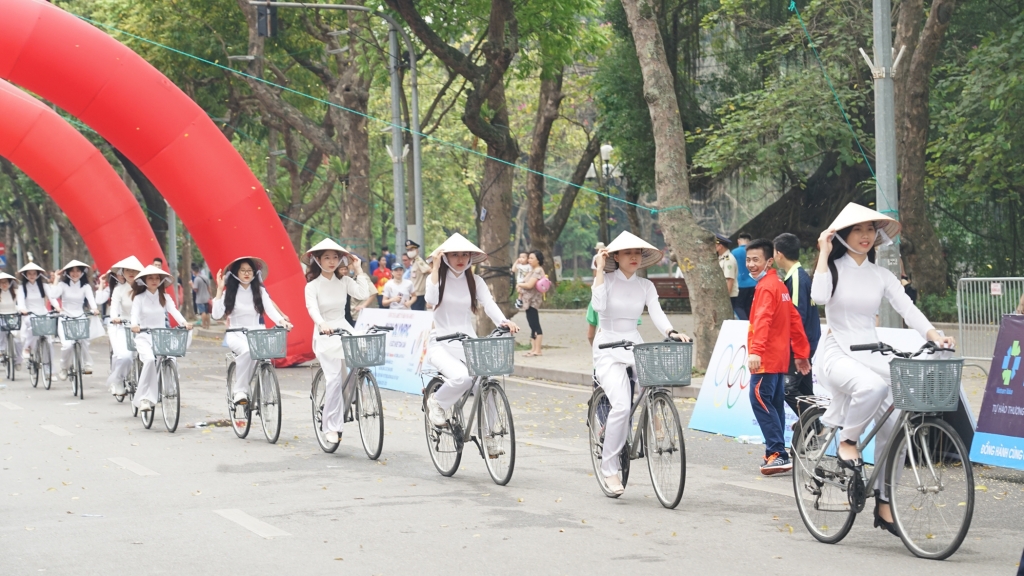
(882, 522)
(854, 464)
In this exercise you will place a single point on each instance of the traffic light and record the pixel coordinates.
(266, 21)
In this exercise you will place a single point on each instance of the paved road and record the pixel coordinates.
(86, 489)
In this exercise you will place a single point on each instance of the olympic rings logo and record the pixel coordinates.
(732, 371)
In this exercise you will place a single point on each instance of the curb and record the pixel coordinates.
(586, 380)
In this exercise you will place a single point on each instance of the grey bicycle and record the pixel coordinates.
(495, 436)
(9, 324)
(655, 431)
(929, 480)
(360, 393)
(77, 329)
(131, 378)
(265, 345)
(40, 360)
(168, 344)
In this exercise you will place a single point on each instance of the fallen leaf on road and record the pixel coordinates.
(197, 492)
(982, 488)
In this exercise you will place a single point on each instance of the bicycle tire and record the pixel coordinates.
(46, 362)
(268, 402)
(931, 521)
(79, 388)
(170, 394)
(444, 447)
(830, 517)
(666, 459)
(316, 396)
(369, 415)
(597, 415)
(10, 356)
(132, 383)
(147, 417)
(501, 467)
(238, 414)
(33, 365)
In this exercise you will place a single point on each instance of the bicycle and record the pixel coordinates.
(76, 329)
(131, 378)
(652, 417)
(264, 346)
(40, 360)
(9, 324)
(496, 435)
(360, 393)
(168, 344)
(929, 479)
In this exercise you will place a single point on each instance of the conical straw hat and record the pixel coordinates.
(857, 214)
(6, 276)
(130, 263)
(260, 263)
(626, 241)
(153, 271)
(75, 264)
(31, 266)
(326, 244)
(458, 243)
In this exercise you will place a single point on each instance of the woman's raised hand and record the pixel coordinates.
(602, 257)
(825, 241)
(220, 279)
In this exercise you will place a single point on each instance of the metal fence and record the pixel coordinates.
(981, 304)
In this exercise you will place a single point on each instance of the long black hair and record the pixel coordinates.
(39, 283)
(112, 281)
(443, 273)
(65, 276)
(838, 251)
(233, 283)
(11, 289)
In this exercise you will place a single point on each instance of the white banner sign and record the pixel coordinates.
(406, 349)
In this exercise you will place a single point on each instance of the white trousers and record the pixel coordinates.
(29, 341)
(334, 394)
(121, 359)
(244, 364)
(67, 349)
(611, 373)
(149, 388)
(450, 361)
(18, 351)
(860, 395)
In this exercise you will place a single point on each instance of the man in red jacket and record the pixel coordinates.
(774, 325)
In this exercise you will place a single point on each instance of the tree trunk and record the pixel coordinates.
(547, 112)
(355, 217)
(185, 270)
(922, 251)
(708, 295)
(496, 231)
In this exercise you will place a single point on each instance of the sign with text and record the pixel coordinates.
(406, 346)
(999, 439)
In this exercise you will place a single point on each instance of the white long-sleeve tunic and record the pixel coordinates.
(11, 304)
(454, 314)
(35, 299)
(325, 302)
(619, 303)
(244, 314)
(103, 294)
(121, 302)
(73, 297)
(148, 313)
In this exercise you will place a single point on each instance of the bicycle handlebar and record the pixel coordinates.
(883, 349)
(143, 330)
(619, 344)
(373, 329)
(244, 330)
(455, 336)
(497, 332)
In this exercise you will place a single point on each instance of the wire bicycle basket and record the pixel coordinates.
(663, 363)
(490, 356)
(267, 344)
(44, 325)
(364, 351)
(169, 341)
(10, 322)
(931, 385)
(129, 338)
(76, 328)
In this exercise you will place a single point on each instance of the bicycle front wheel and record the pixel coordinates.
(239, 414)
(33, 366)
(665, 449)
(931, 487)
(45, 362)
(370, 415)
(269, 402)
(10, 356)
(77, 385)
(132, 384)
(497, 431)
(170, 402)
(444, 444)
(316, 396)
(819, 484)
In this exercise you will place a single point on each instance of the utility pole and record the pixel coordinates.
(397, 141)
(172, 251)
(55, 251)
(886, 196)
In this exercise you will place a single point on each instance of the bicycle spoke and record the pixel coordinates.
(497, 432)
(444, 448)
(666, 453)
(369, 415)
(819, 484)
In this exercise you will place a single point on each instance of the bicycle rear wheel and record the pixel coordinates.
(931, 487)
(170, 402)
(369, 415)
(316, 395)
(147, 417)
(132, 384)
(444, 444)
(78, 386)
(497, 431)
(665, 449)
(819, 484)
(597, 416)
(45, 362)
(269, 402)
(10, 356)
(239, 414)
(33, 366)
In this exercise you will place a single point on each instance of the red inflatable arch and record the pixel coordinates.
(77, 176)
(162, 131)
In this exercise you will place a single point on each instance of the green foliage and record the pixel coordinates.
(939, 307)
(568, 295)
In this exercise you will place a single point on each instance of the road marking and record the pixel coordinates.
(552, 445)
(57, 430)
(581, 389)
(295, 394)
(133, 466)
(254, 525)
(10, 406)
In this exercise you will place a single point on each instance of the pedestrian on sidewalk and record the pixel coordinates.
(532, 299)
(201, 293)
(418, 272)
(745, 298)
(398, 290)
(798, 283)
(730, 268)
(520, 268)
(774, 326)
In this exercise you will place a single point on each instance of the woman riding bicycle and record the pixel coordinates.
(242, 298)
(35, 293)
(11, 302)
(73, 289)
(851, 287)
(327, 292)
(120, 314)
(150, 308)
(456, 293)
(618, 296)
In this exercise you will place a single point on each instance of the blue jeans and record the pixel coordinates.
(768, 399)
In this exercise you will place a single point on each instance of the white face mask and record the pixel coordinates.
(761, 275)
(410, 253)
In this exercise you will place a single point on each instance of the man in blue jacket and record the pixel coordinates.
(743, 279)
(787, 258)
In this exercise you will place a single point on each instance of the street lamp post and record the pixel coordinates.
(396, 120)
(606, 204)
